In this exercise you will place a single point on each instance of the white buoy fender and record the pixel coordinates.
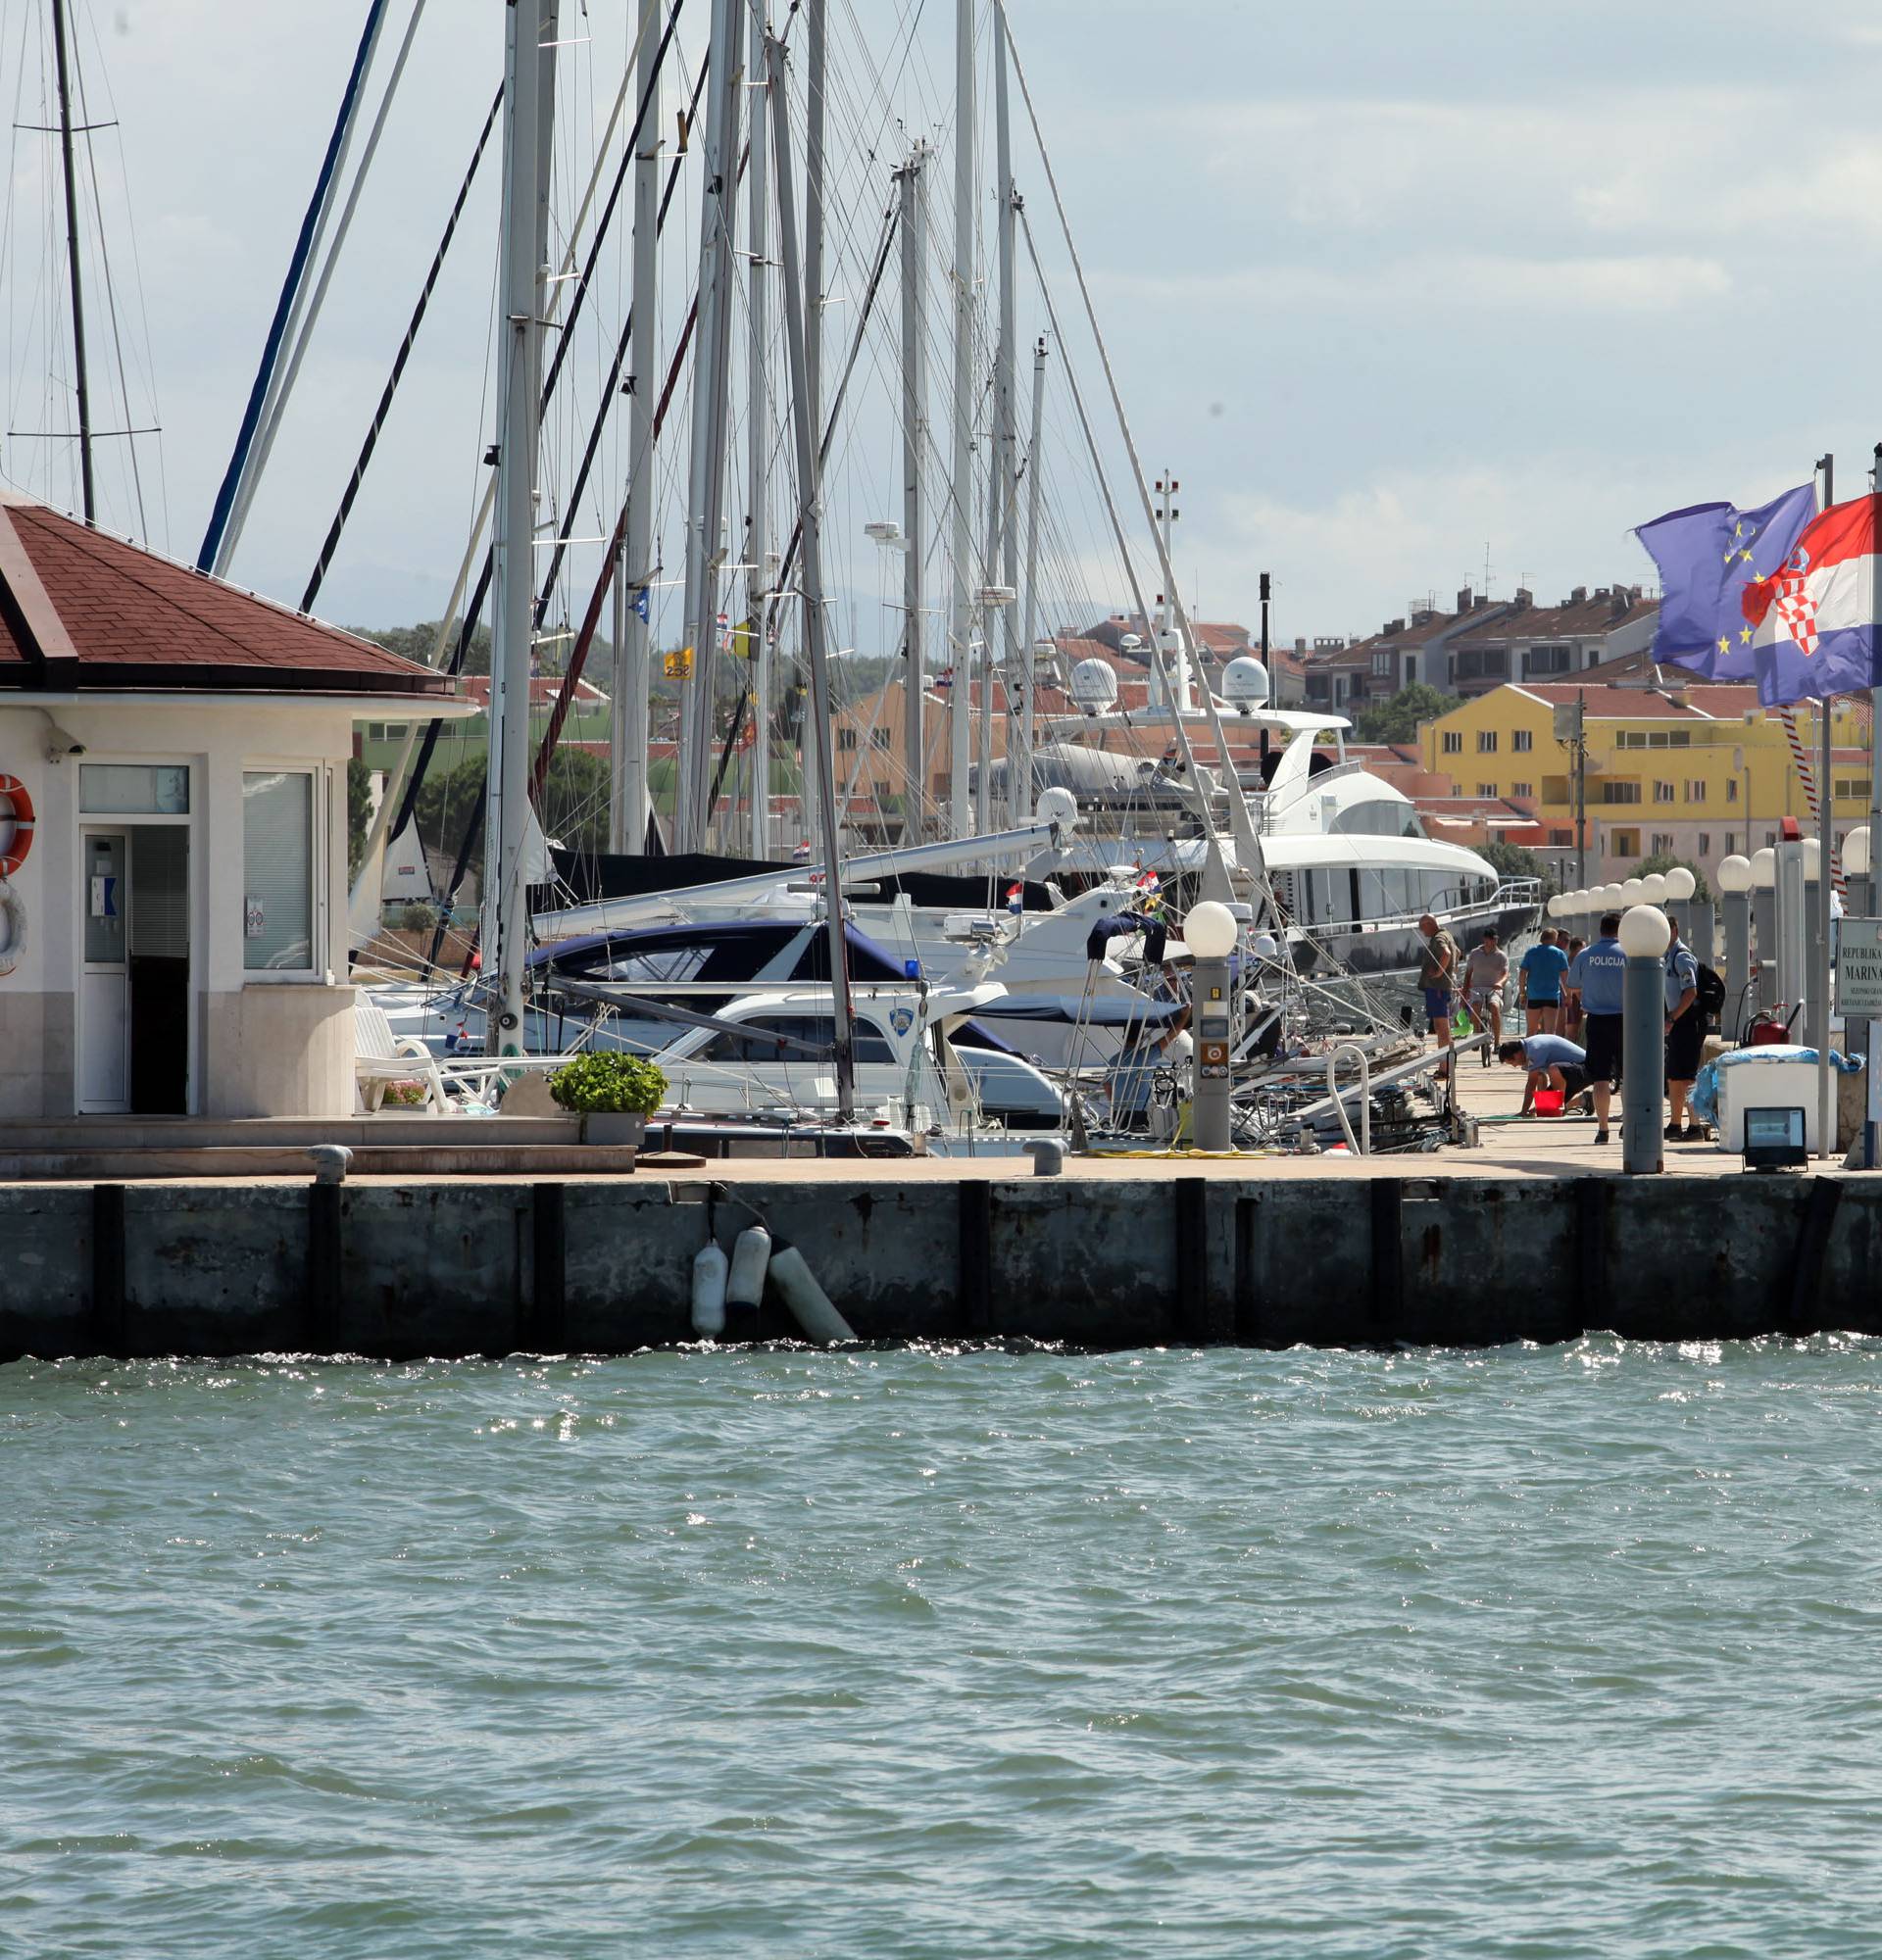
(751, 1256)
(709, 1266)
(798, 1288)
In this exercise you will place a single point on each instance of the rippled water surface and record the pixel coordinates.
(1528, 1652)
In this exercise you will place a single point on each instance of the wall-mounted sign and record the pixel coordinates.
(255, 918)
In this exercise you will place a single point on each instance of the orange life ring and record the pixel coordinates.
(16, 853)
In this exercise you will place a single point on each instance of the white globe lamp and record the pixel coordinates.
(1680, 884)
(1209, 930)
(1813, 861)
(1734, 873)
(1633, 891)
(1653, 889)
(1764, 869)
(1645, 933)
(1856, 851)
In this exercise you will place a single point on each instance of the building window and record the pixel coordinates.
(134, 789)
(882, 738)
(1486, 789)
(1454, 742)
(1623, 844)
(1731, 842)
(278, 871)
(1851, 789)
(1522, 741)
(1561, 837)
(1704, 842)
(1664, 793)
(1481, 663)
(1731, 789)
(846, 738)
(1620, 792)
(1694, 791)
(1539, 660)
(1522, 789)
(1382, 665)
(1663, 843)
(1486, 741)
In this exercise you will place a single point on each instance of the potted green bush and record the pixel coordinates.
(614, 1095)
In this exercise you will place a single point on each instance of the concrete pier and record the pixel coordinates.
(1216, 1253)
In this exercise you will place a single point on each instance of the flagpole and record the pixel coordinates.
(1873, 1042)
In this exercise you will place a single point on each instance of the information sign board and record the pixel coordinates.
(1859, 970)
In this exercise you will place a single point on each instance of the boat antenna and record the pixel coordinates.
(72, 261)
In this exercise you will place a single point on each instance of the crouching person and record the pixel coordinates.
(1553, 1062)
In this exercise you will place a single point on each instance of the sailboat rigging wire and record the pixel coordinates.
(213, 554)
(352, 491)
(427, 747)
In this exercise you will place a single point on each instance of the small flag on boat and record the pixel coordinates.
(643, 603)
(1016, 898)
(944, 679)
(1149, 882)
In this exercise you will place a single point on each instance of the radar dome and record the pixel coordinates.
(1094, 687)
(1245, 684)
(1056, 805)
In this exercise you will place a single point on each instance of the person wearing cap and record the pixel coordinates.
(1486, 972)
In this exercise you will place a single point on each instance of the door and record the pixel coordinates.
(104, 986)
(133, 1009)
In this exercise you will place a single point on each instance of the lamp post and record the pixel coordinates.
(1787, 869)
(1735, 901)
(1644, 938)
(1764, 925)
(1209, 932)
(1701, 921)
(1815, 973)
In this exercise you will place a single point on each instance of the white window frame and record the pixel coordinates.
(314, 973)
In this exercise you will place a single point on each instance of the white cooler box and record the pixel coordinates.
(1778, 1083)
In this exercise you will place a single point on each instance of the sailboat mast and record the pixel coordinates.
(527, 102)
(810, 493)
(627, 811)
(1020, 763)
(1006, 445)
(914, 430)
(758, 643)
(706, 485)
(815, 72)
(81, 379)
(961, 472)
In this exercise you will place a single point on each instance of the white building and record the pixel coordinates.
(173, 932)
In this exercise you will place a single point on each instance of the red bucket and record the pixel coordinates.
(1548, 1101)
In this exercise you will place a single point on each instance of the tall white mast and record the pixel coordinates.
(528, 111)
(816, 71)
(1019, 762)
(810, 572)
(758, 436)
(1006, 445)
(629, 806)
(961, 472)
(706, 485)
(914, 442)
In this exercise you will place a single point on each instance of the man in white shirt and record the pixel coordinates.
(1485, 974)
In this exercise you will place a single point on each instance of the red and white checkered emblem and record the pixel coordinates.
(1790, 593)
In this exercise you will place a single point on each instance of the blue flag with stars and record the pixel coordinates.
(1707, 556)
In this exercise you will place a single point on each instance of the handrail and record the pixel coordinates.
(1364, 1146)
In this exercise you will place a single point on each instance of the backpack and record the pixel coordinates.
(1711, 1001)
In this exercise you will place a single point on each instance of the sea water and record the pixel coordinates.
(1527, 1653)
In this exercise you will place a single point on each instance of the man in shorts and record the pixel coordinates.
(1597, 986)
(1685, 1031)
(1539, 983)
(1485, 974)
(1438, 976)
(1551, 1063)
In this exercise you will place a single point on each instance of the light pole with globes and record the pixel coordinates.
(1735, 901)
(1209, 931)
(1764, 925)
(1644, 938)
(1857, 866)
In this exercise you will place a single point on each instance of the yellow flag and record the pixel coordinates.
(678, 666)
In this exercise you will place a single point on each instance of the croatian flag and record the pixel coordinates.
(1708, 555)
(1812, 625)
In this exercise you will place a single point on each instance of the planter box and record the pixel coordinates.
(613, 1126)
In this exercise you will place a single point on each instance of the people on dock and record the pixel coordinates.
(1553, 1062)
(1539, 983)
(1568, 1013)
(1597, 983)
(1485, 975)
(1685, 1030)
(1438, 976)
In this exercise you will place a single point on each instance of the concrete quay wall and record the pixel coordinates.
(493, 1266)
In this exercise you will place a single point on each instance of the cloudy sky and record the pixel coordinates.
(1387, 283)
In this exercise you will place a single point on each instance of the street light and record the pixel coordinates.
(1855, 862)
(1735, 876)
(1633, 891)
(1209, 931)
(1764, 869)
(1644, 936)
(1653, 889)
(1680, 884)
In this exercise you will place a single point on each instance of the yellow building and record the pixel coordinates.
(1700, 771)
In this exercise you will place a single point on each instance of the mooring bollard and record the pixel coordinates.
(1645, 936)
(1048, 1154)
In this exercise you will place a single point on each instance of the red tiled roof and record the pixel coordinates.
(1605, 612)
(80, 609)
(543, 690)
(1703, 702)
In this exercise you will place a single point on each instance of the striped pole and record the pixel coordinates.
(1811, 799)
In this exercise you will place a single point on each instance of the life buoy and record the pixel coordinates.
(16, 853)
(12, 908)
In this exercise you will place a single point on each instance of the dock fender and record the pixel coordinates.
(798, 1289)
(709, 1267)
(751, 1257)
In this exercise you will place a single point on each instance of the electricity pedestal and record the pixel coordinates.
(1209, 931)
(1644, 938)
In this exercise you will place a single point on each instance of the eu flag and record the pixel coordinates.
(1707, 556)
